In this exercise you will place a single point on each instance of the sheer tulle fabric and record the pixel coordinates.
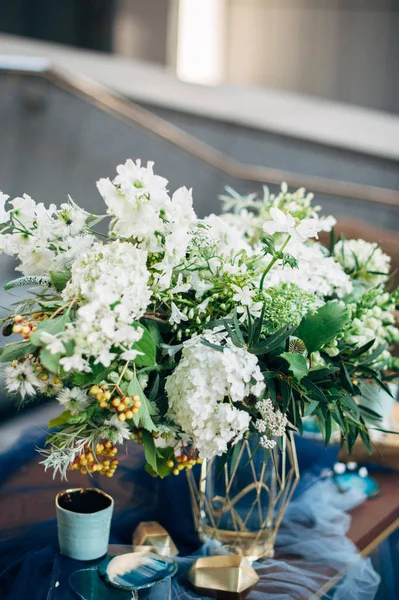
(311, 545)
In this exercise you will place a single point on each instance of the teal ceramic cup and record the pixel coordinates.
(84, 520)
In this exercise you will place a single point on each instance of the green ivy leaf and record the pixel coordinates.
(15, 350)
(319, 328)
(297, 364)
(59, 279)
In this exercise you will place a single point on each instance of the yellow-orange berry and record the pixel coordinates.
(17, 329)
(103, 404)
(108, 444)
(18, 319)
(94, 390)
(170, 463)
(122, 417)
(116, 402)
(129, 414)
(135, 410)
(175, 471)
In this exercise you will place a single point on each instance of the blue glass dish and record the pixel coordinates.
(349, 481)
(136, 570)
(87, 585)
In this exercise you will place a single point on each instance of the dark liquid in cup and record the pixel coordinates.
(83, 501)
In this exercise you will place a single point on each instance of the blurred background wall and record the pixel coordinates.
(344, 50)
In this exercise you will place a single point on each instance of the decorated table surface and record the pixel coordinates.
(313, 555)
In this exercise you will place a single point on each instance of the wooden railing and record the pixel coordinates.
(126, 110)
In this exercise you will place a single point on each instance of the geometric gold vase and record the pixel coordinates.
(241, 503)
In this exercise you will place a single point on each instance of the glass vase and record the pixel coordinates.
(241, 502)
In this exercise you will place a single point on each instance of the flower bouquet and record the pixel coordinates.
(189, 335)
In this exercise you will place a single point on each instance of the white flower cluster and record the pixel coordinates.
(377, 324)
(363, 260)
(199, 388)
(271, 424)
(43, 239)
(143, 210)
(111, 284)
(317, 273)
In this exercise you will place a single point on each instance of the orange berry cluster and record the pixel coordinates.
(126, 406)
(183, 461)
(24, 327)
(87, 462)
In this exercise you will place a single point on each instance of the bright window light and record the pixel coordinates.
(200, 41)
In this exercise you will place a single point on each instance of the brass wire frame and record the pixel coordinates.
(284, 479)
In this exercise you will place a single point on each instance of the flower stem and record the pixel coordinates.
(275, 258)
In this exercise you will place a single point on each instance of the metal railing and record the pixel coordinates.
(126, 110)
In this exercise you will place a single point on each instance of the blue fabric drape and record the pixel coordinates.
(311, 546)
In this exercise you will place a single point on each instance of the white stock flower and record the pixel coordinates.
(285, 223)
(52, 343)
(317, 273)
(4, 214)
(177, 315)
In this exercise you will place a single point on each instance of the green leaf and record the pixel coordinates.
(53, 326)
(274, 341)
(15, 350)
(51, 362)
(234, 456)
(147, 346)
(315, 391)
(319, 328)
(163, 455)
(150, 450)
(366, 440)
(143, 417)
(297, 364)
(311, 408)
(99, 373)
(60, 420)
(286, 393)
(153, 328)
(59, 279)
(321, 373)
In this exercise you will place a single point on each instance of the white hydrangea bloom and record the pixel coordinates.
(110, 273)
(199, 386)
(111, 283)
(363, 259)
